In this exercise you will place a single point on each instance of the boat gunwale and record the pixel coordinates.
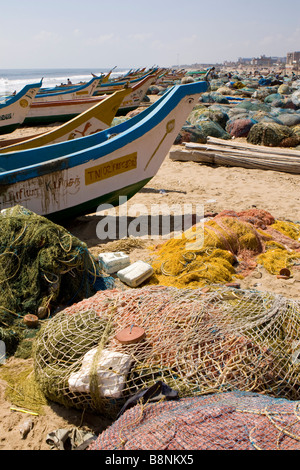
(14, 99)
(65, 92)
(134, 130)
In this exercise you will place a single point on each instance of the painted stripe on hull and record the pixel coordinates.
(91, 206)
(67, 117)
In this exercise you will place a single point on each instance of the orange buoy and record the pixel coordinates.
(31, 321)
(130, 335)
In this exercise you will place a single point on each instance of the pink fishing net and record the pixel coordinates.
(228, 421)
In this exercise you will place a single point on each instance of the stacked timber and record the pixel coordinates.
(222, 152)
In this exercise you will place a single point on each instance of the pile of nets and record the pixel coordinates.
(201, 113)
(194, 341)
(43, 267)
(272, 134)
(240, 127)
(227, 421)
(226, 248)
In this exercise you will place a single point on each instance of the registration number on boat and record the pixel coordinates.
(112, 168)
(3, 117)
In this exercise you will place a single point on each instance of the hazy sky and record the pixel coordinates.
(127, 33)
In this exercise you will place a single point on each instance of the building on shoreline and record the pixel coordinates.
(293, 61)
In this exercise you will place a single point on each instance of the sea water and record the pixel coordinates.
(15, 79)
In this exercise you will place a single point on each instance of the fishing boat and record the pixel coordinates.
(72, 93)
(95, 119)
(73, 178)
(110, 87)
(64, 110)
(13, 109)
(170, 76)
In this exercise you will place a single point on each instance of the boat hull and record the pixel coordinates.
(15, 110)
(76, 183)
(94, 120)
(63, 111)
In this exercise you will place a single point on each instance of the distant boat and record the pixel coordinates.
(72, 178)
(69, 93)
(110, 86)
(95, 119)
(13, 109)
(63, 110)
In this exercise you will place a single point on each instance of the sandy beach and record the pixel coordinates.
(215, 189)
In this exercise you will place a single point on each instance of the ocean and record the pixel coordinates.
(15, 79)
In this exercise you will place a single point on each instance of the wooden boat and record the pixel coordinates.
(72, 93)
(65, 87)
(73, 178)
(170, 76)
(62, 111)
(13, 109)
(95, 119)
(110, 87)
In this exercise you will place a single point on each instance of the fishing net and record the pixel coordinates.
(273, 97)
(253, 106)
(213, 97)
(284, 89)
(239, 127)
(43, 267)
(269, 134)
(190, 133)
(213, 129)
(289, 119)
(196, 342)
(226, 248)
(215, 84)
(201, 113)
(226, 421)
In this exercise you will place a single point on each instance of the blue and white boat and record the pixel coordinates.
(72, 178)
(70, 93)
(14, 108)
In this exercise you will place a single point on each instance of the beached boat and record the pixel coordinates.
(64, 110)
(73, 178)
(95, 119)
(73, 93)
(110, 87)
(13, 109)
(73, 86)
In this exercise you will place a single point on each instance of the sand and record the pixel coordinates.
(197, 185)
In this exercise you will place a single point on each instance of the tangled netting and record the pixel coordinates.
(272, 134)
(42, 267)
(196, 342)
(226, 248)
(225, 421)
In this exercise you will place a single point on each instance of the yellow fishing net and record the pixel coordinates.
(226, 248)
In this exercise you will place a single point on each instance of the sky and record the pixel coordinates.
(127, 33)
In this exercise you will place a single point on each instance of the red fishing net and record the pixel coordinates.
(228, 421)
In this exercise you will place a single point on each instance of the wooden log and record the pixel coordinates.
(260, 148)
(235, 161)
(243, 153)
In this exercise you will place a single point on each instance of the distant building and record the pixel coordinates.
(293, 59)
(264, 61)
(244, 61)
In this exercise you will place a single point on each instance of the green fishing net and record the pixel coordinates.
(43, 268)
(270, 134)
